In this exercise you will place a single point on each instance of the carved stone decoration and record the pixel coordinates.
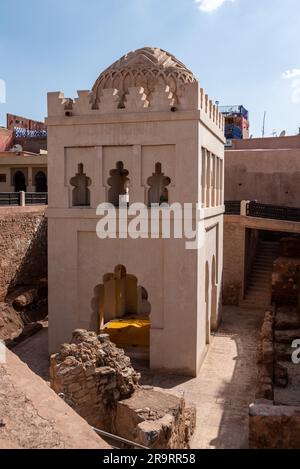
(162, 98)
(109, 100)
(158, 182)
(136, 100)
(146, 68)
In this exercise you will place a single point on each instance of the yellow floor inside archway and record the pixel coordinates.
(133, 331)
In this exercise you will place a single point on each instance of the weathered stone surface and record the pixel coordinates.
(32, 416)
(281, 377)
(92, 374)
(11, 325)
(287, 320)
(274, 427)
(285, 281)
(26, 299)
(28, 331)
(97, 380)
(283, 352)
(287, 337)
(23, 257)
(266, 354)
(156, 419)
(23, 263)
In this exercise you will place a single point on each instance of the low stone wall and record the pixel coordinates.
(266, 359)
(97, 380)
(155, 418)
(274, 427)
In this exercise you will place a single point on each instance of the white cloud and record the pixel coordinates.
(211, 5)
(294, 76)
(289, 74)
(296, 91)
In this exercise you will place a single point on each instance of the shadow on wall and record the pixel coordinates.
(32, 266)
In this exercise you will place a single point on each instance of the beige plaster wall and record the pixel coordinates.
(234, 260)
(270, 176)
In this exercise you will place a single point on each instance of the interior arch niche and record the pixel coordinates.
(123, 310)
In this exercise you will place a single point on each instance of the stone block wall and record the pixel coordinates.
(274, 427)
(23, 253)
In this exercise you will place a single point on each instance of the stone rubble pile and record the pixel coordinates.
(93, 375)
(266, 359)
(97, 380)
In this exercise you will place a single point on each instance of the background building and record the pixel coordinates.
(23, 155)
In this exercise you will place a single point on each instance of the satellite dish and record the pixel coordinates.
(283, 134)
(17, 148)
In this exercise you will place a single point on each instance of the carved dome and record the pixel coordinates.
(147, 68)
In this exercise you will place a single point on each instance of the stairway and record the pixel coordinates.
(258, 293)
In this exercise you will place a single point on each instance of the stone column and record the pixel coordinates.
(22, 199)
(30, 187)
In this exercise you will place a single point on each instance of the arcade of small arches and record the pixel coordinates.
(20, 180)
(119, 186)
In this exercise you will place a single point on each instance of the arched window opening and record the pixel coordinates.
(81, 192)
(41, 182)
(119, 185)
(19, 181)
(158, 182)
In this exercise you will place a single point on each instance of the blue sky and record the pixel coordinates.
(243, 51)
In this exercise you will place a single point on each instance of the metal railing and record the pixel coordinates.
(274, 212)
(119, 439)
(257, 210)
(36, 198)
(233, 207)
(23, 198)
(9, 198)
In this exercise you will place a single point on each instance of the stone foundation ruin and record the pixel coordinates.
(274, 418)
(97, 380)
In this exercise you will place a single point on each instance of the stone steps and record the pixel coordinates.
(259, 289)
